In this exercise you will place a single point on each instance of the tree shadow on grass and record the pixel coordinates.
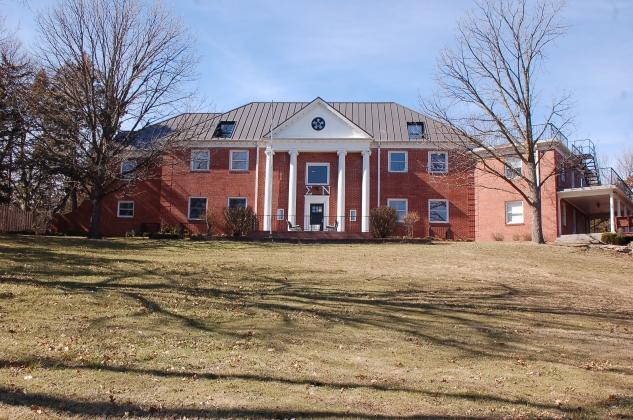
(16, 396)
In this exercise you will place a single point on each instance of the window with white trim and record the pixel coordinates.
(438, 162)
(200, 160)
(438, 211)
(513, 167)
(400, 205)
(239, 160)
(352, 215)
(237, 202)
(562, 173)
(415, 130)
(128, 170)
(126, 209)
(317, 174)
(280, 214)
(197, 208)
(398, 162)
(514, 212)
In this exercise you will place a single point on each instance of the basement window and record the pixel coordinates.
(237, 202)
(126, 209)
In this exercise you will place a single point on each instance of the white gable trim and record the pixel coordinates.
(279, 131)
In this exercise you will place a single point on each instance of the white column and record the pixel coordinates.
(268, 189)
(340, 191)
(365, 192)
(619, 209)
(292, 187)
(560, 211)
(612, 211)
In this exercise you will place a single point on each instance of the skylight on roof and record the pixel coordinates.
(224, 129)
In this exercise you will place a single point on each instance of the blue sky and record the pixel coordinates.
(362, 50)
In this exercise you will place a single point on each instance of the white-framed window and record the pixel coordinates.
(513, 167)
(438, 162)
(126, 209)
(352, 215)
(280, 214)
(415, 130)
(562, 173)
(317, 174)
(200, 160)
(563, 214)
(400, 204)
(438, 211)
(128, 170)
(514, 212)
(237, 202)
(398, 162)
(197, 208)
(239, 160)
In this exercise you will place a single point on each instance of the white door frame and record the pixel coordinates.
(315, 199)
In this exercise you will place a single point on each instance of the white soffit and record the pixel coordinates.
(337, 126)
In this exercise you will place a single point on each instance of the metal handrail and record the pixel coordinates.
(614, 179)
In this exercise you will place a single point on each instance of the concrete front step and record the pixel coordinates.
(583, 238)
(308, 236)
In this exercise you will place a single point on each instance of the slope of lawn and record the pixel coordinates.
(142, 328)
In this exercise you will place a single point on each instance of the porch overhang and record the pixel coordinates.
(595, 201)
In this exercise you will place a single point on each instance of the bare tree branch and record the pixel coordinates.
(487, 102)
(118, 66)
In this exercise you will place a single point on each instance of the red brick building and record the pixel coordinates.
(324, 166)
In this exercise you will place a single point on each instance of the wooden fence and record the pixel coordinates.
(14, 219)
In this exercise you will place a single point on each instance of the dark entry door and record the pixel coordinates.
(316, 216)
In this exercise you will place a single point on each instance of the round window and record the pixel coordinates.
(318, 124)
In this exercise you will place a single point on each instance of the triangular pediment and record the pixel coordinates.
(318, 120)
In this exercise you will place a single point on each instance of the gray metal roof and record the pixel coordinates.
(384, 121)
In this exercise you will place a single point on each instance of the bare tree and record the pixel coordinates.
(118, 66)
(488, 101)
(16, 74)
(624, 165)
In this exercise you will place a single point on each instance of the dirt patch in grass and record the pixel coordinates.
(144, 328)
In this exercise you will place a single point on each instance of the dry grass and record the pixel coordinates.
(142, 328)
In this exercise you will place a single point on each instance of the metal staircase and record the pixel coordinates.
(585, 151)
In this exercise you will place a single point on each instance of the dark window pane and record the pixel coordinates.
(224, 129)
(416, 129)
(197, 206)
(237, 202)
(317, 174)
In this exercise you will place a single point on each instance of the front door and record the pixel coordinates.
(316, 216)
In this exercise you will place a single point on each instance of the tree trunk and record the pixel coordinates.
(537, 215)
(73, 197)
(95, 221)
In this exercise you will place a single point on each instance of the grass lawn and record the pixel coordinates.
(142, 328)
